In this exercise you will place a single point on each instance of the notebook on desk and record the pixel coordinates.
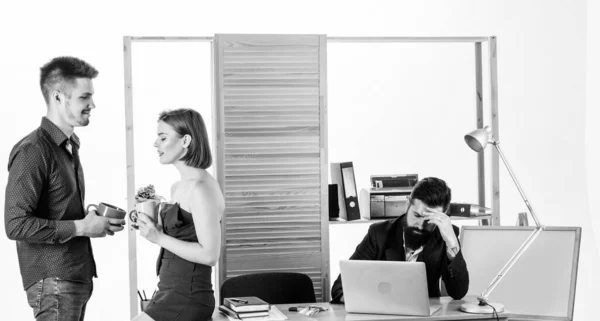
(386, 287)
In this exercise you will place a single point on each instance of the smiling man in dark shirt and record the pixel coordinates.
(44, 207)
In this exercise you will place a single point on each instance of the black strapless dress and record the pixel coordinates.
(185, 290)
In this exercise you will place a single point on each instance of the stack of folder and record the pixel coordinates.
(245, 308)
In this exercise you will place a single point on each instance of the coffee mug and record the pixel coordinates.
(107, 210)
(148, 207)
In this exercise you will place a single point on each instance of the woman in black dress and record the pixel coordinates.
(188, 229)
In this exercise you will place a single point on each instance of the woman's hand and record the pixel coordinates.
(139, 199)
(150, 230)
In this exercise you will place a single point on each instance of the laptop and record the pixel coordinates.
(386, 287)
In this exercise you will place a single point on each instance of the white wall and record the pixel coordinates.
(592, 129)
(542, 92)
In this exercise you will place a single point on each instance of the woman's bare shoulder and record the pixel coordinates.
(207, 187)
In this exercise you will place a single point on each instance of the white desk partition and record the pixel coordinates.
(542, 282)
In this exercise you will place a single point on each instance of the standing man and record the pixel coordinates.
(44, 207)
(423, 234)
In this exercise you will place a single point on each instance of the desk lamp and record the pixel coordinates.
(478, 140)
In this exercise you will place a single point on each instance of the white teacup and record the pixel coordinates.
(149, 207)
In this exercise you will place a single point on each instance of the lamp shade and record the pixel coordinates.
(478, 138)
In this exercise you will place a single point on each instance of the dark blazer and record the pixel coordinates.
(384, 242)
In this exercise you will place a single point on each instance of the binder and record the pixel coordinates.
(336, 178)
(469, 210)
(343, 175)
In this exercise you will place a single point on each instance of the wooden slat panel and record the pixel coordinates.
(236, 55)
(279, 197)
(284, 67)
(266, 220)
(234, 162)
(257, 163)
(273, 125)
(274, 243)
(275, 205)
(276, 237)
(270, 94)
(283, 131)
(265, 256)
(266, 149)
(273, 171)
(313, 63)
(272, 212)
(250, 51)
(249, 181)
(282, 187)
(234, 58)
(275, 83)
(290, 151)
(270, 91)
(284, 260)
(235, 146)
(275, 213)
(257, 202)
(265, 110)
(275, 113)
(257, 221)
(260, 78)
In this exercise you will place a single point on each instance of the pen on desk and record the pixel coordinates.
(238, 300)
(140, 295)
(145, 297)
(295, 309)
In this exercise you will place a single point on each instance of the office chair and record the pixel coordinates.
(272, 287)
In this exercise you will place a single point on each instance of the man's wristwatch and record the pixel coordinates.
(452, 251)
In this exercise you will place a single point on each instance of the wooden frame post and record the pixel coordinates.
(325, 264)
(479, 124)
(217, 141)
(218, 124)
(131, 236)
(495, 182)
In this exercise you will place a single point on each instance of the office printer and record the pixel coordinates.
(389, 194)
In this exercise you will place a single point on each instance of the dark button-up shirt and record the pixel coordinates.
(44, 196)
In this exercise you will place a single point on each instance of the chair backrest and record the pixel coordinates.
(272, 287)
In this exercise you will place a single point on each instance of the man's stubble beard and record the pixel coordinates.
(414, 238)
(72, 118)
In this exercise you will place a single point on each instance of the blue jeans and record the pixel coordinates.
(59, 300)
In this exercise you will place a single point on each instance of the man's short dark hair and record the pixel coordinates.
(61, 70)
(433, 192)
(187, 121)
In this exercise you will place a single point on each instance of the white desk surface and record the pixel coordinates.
(450, 311)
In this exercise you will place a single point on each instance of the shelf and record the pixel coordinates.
(358, 221)
(478, 217)
(454, 218)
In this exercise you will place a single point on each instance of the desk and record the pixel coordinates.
(450, 311)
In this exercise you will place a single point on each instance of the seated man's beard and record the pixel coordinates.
(414, 238)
